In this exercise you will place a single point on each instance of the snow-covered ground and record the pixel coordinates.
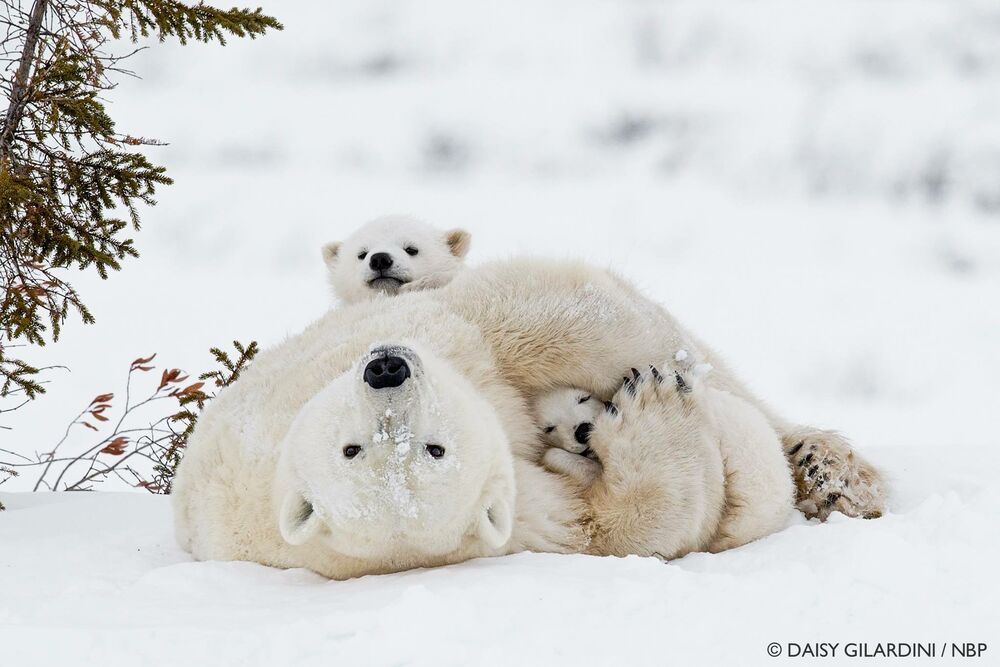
(813, 187)
(98, 579)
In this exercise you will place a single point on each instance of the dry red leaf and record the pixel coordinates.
(144, 360)
(170, 376)
(190, 389)
(90, 426)
(102, 398)
(116, 447)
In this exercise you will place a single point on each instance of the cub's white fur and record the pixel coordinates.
(566, 416)
(393, 254)
(751, 499)
(491, 340)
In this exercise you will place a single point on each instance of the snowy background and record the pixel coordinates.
(813, 187)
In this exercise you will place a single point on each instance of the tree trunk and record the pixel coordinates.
(19, 86)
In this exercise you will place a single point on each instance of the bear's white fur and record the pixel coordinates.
(492, 340)
(393, 254)
(750, 496)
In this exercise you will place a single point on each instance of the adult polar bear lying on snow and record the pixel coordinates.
(395, 434)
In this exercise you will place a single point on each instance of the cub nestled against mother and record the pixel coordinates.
(398, 433)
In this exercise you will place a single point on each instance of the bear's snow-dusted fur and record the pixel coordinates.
(393, 254)
(701, 508)
(277, 435)
(503, 334)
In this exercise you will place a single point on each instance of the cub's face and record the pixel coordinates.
(391, 253)
(400, 460)
(566, 417)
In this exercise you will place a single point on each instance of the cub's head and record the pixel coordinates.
(390, 252)
(566, 417)
(400, 462)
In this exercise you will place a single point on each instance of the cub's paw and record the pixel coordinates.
(578, 467)
(831, 477)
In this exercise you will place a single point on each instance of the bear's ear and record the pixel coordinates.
(496, 523)
(458, 241)
(330, 251)
(297, 520)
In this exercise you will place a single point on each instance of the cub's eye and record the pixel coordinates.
(436, 451)
(362, 254)
(350, 451)
(549, 429)
(410, 250)
(584, 399)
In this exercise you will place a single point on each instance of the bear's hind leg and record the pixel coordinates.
(830, 476)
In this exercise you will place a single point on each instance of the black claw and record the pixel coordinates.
(832, 498)
(795, 450)
(808, 459)
(656, 374)
(611, 407)
(682, 386)
(812, 471)
(636, 375)
(628, 385)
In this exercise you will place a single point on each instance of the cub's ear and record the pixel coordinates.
(330, 251)
(458, 241)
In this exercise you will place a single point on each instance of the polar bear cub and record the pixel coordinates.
(566, 416)
(393, 254)
(756, 488)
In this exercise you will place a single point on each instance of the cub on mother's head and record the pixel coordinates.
(394, 253)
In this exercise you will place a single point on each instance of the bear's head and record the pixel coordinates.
(390, 252)
(398, 462)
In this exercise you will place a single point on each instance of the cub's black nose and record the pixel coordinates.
(380, 261)
(386, 372)
(582, 432)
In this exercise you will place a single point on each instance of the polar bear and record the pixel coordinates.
(393, 254)
(567, 413)
(265, 476)
(380, 439)
(755, 488)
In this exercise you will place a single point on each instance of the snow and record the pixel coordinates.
(812, 187)
(99, 578)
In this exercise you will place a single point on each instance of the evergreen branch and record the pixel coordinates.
(64, 167)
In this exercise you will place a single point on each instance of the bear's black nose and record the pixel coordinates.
(386, 372)
(582, 432)
(380, 261)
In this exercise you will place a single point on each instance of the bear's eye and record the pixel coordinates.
(350, 451)
(410, 250)
(549, 429)
(436, 451)
(584, 399)
(362, 254)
